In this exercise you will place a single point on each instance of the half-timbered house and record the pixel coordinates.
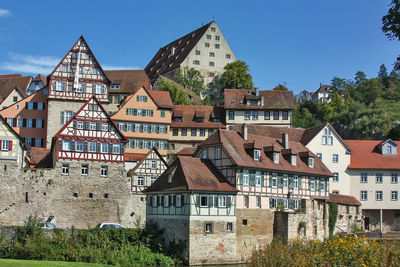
(74, 80)
(195, 205)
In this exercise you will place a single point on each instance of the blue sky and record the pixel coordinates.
(300, 43)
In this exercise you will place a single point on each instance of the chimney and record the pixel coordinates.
(285, 140)
(262, 101)
(244, 131)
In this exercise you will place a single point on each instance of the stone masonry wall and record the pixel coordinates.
(46, 192)
(256, 234)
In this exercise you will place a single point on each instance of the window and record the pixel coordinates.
(79, 146)
(285, 183)
(141, 98)
(247, 115)
(211, 74)
(335, 158)
(273, 203)
(194, 132)
(197, 52)
(28, 141)
(276, 115)
(40, 106)
(208, 228)
(322, 185)
(85, 170)
(274, 180)
(5, 145)
(228, 56)
(140, 181)
(65, 169)
(312, 184)
(311, 162)
(217, 38)
(335, 177)
(93, 126)
(327, 138)
(221, 201)
(319, 155)
(258, 178)
(116, 149)
(162, 113)
(65, 116)
(379, 195)
(183, 132)
(66, 145)
(92, 147)
(229, 227)
(258, 202)
(99, 89)
(257, 154)
(296, 182)
(285, 115)
(293, 160)
(267, 115)
(154, 164)
(114, 86)
(59, 86)
(39, 123)
(212, 54)
(207, 44)
(38, 142)
(81, 88)
(231, 115)
(393, 195)
(208, 36)
(204, 153)
(104, 148)
(394, 178)
(20, 122)
(216, 46)
(117, 98)
(210, 132)
(29, 123)
(15, 99)
(166, 201)
(90, 195)
(276, 157)
(104, 171)
(211, 64)
(246, 201)
(245, 177)
(364, 177)
(212, 29)
(169, 178)
(203, 201)
(255, 115)
(379, 178)
(75, 195)
(10, 121)
(202, 132)
(217, 153)
(244, 222)
(104, 127)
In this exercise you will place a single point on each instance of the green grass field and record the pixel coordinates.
(29, 263)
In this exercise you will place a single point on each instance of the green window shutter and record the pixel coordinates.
(182, 200)
(216, 201)
(197, 201)
(157, 129)
(210, 201)
(98, 148)
(134, 112)
(174, 200)
(262, 178)
(228, 201)
(60, 144)
(151, 113)
(270, 180)
(291, 203)
(169, 200)
(291, 182)
(299, 182)
(149, 128)
(241, 176)
(280, 181)
(85, 146)
(141, 128)
(270, 203)
(74, 124)
(73, 146)
(110, 148)
(127, 111)
(158, 201)
(144, 111)
(141, 144)
(137, 98)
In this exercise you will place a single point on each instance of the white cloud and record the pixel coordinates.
(30, 64)
(110, 67)
(4, 12)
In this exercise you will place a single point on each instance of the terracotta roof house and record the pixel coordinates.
(272, 107)
(124, 83)
(12, 89)
(36, 84)
(303, 96)
(12, 148)
(191, 125)
(204, 49)
(323, 94)
(374, 172)
(186, 152)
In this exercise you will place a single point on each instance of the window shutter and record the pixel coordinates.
(149, 128)
(74, 124)
(197, 201)
(299, 182)
(41, 142)
(290, 178)
(182, 200)
(151, 201)
(122, 149)
(210, 201)
(98, 124)
(10, 145)
(169, 200)
(98, 148)
(137, 98)
(151, 113)
(228, 201)
(262, 178)
(157, 129)
(73, 146)
(34, 105)
(291, 203)
(158, 201)
(241, 177)
(134, 111)
(141, 144)
(216, 204)
(271, 206)
(85, 146)
(174, 200)
(86, 125)
(252, 178)
(127, 111)
(110, 147)
(280, 182)
(62, 117)
(42, 123)
(33, 123)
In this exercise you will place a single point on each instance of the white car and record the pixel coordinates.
(111, 225)
(47, 225)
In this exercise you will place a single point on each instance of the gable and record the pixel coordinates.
(322, 136)
(388, 147)
(145, 166)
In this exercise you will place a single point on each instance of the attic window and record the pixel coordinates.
(233, 101)
(276, 157)
(169, 178)
(293, 160)
(257, 154)
(311, 162)
(114, 86)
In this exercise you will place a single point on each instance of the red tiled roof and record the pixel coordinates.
(9, 84)
(234, 145)
(344, 199)
(133, 157)
(41, 78)
(188, 114)
(273, 99)
(192, 174)
(129, 80)
(162, 98)
(165, 61)
(366, 155)
(39, 157)
(10, 76)
(186, 151)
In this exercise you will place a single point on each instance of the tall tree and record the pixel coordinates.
(383, 75)
(191, 79)
(177, 93)
(280, 87)
(236, 76)
(391, 24)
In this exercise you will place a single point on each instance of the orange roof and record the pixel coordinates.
(366, 155)
(162, 98)
(186, 151)
(134, 157)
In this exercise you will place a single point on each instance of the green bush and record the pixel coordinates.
(120, 247)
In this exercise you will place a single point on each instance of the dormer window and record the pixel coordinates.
(311, 162)
(276, 157)
(257, 154)
(293, 159)
(200, 119)
(179, 119)
(388, 147)
(217, 153)
(114, 86)
(169, 178)
(204, 153)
